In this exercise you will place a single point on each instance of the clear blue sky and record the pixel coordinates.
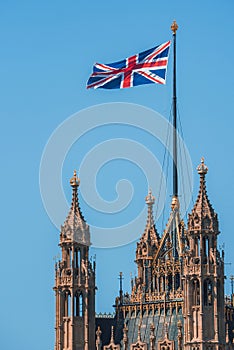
(47, 52)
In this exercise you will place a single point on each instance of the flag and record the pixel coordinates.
(144, 68)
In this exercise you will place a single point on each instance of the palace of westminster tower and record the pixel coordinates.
(177, 299)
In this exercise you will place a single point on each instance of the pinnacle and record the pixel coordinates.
(150, 234)
(203, 211)
(202, 169)
(150, 199)
(74, 181)
(75, 227)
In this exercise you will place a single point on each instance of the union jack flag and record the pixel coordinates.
(144, 68)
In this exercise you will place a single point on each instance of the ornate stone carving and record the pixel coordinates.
(112, 345)
(139, 345)
(166, 344)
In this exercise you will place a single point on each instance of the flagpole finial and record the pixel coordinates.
(174, 27)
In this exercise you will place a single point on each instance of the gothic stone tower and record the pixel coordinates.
(177, 299)
(146, 250)
(203, 276)
(75, 282)
(153, 311)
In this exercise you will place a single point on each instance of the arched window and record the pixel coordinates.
(196, 292)
(208, 292)
(67, 303)
(69, 257)
(205, 249)
(177, 281)
(79, 257)
(76, 264)
(78, 304)
(169, 282)
(197, 246)
(81, 305)
(205, 240)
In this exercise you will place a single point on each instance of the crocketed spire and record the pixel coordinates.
(75, 228)
(150, 239)
(203, 216)
(150, 234)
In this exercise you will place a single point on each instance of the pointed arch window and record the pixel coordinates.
(78, 304)
(79, 257)
(197, 246)
(69, 257)
(170, 281)
(81, 305)
(196, 292)
(76, 264)
(205, 249)
(208, 293)
(67, 303)
(177, 281)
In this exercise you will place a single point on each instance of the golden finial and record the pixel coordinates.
(150, 199)
(175, 203)
(202, 168)
(75, 181)
(174, 27)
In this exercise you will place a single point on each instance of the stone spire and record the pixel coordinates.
(203, 216)
(75, 282)
(75, 228)
(112, 345)
(150, 235)
(203, 274)
(145, 251)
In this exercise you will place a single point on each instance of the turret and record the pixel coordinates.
(75, 282)
(146, 248)
(203, 275)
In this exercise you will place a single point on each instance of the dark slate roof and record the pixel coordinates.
(159, 321)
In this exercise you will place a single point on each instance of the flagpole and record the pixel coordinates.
(174, 28)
